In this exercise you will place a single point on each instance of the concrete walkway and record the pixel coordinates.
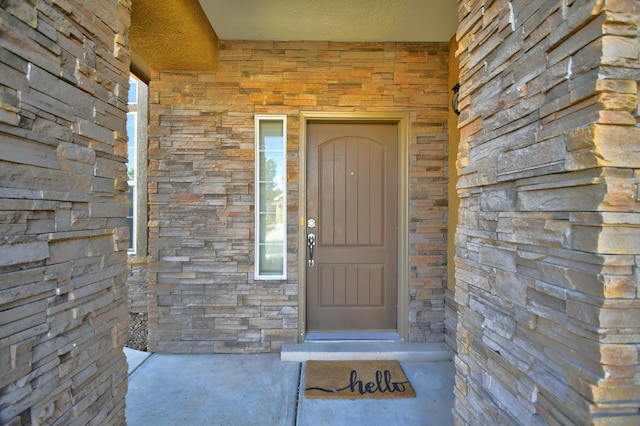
(262, 390)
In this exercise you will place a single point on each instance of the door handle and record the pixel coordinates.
(311, 242)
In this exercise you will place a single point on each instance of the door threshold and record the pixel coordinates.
(325, 350)
(352, 336)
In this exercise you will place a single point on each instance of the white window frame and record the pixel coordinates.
(258, 231)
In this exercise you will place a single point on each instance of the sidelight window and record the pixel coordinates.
(136, 166)
(271, 196)
(132, 134)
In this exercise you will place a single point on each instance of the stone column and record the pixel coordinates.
(549, 232)
(64, 67)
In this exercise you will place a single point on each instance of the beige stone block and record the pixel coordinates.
(592, 282)
(605, 218)
(615, 394)
(619, 355)
(619, 287)
(9, 105)
(513, 287)
(623, 118)
(603, 145)
(538, 229)
(606, 239)
(620, 52)
(501, 258)
(626, 315)
(76, 152)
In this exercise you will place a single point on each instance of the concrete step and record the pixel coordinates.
(135, 358)
(365, 351)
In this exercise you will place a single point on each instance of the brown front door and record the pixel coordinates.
(352, 196)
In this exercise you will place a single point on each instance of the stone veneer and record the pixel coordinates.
(549, 231)
(203, 297)
(64, 68)
(137, 285)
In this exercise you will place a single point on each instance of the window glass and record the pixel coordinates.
(133, 91)
(132, 143)
(130, 216)
(270, 197)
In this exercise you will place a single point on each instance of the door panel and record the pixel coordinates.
(352, 195)
(351, 285)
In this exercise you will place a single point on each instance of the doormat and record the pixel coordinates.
(356, 380)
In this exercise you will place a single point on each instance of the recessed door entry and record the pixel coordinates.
(352, 232)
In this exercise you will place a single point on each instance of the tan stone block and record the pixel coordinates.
(608, 146)
(624, 315)
(619, 355)
(612, 395)
(606, 239)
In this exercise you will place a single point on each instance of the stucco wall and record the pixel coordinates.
(203, 297)
(549, 232)
(63, 250)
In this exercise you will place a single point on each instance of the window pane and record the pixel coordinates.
(132, 118)
(271, 143)
(272, 228)
(270, 259)
(271, 166)
(133, 91)
(271, 135)
(271, 198)
(130, 221)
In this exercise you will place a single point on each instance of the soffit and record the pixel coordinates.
(333, 20)
(175, 35)
(172, 35)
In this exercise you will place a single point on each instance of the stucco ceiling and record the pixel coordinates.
(333, 20)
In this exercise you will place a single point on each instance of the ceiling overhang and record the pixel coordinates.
(334, 20)
(179, 35)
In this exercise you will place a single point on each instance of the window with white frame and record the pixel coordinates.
(136, 165)
(271, 196)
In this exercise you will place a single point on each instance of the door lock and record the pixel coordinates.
(311, 242)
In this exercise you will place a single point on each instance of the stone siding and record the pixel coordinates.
(203, 297)
(137, 285)
(63, 251)
(549, 231)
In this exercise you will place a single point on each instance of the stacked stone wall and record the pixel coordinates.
(137, 286)
(203, 297)
(63, 250)
(549, 231)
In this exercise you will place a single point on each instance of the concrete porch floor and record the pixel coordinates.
(263, 390)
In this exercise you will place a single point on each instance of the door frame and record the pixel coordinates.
(401, 119)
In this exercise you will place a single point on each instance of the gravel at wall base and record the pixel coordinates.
(137, 332)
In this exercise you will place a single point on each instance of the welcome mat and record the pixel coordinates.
(356, 379)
